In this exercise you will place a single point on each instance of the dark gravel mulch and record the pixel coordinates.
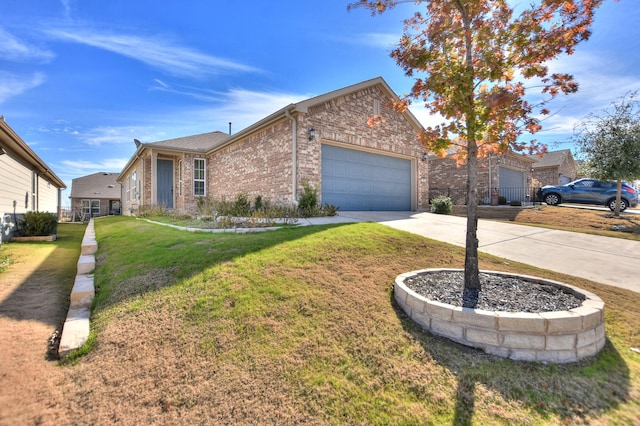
(498, 293)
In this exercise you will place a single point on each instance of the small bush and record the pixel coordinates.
(151, 211)
(241, 206)
(441, 205)
(257, 203)
(515, 203)
(329, 210)
(35, 224)
(502, 200)
(308, 202)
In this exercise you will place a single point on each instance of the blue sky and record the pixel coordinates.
(79, 80)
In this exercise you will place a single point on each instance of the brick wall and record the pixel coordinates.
(343, 121)
(261, 162)
(444, 173)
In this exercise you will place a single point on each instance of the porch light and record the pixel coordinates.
(425, 156)
(312, 134)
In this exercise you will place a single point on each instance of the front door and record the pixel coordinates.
(165, 183)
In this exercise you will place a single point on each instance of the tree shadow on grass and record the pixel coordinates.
(581, 390)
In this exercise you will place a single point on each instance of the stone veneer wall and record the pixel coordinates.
(559, 337)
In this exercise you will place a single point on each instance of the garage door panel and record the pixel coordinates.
(358, 180)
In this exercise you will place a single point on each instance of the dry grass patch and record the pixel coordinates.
(581, 220)
(300, 326)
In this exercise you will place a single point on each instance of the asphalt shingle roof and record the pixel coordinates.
(202, 142)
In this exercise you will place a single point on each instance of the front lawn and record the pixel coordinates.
(299, 325)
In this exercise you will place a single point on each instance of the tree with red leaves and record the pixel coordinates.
(470, 59)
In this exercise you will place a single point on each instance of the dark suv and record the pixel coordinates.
(589, 191)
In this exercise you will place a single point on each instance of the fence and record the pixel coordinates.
(506, 195)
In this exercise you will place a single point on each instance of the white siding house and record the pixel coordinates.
(26, 182)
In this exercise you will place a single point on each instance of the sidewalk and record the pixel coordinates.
(606, 260)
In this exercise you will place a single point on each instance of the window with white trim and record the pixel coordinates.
(199, 174)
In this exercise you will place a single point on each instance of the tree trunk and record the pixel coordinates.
(471, 267)
(618, 197)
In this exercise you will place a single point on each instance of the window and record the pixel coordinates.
(90, 207)
(198, 177)
(85, 207)
(376, 107)
(134, 185)
(180, 178)
(34, 179)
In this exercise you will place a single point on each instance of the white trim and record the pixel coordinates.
(203, 179)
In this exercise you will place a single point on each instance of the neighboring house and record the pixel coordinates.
(554, 168)
(508, 173)
(324, 141)
(26, 182)
(95, 195)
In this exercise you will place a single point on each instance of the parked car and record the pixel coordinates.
(589, 191)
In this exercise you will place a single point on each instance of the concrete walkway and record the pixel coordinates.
(612, 261)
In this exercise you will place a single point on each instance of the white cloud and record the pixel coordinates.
(13, 49)
(67, 5)
(80, 167)
(160, 53)
(117, 135)
(241, 107)
(13, 85)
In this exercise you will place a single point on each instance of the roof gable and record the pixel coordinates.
(551, 158)
(203, 142)
(97, 185)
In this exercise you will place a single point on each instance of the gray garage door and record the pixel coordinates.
(358, 180)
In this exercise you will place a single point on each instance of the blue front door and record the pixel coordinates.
(165, 183)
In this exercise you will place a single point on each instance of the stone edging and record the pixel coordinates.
(559, 337)
(76, 327)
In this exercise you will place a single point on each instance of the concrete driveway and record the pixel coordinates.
(606, 260)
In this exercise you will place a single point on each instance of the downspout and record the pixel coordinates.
(294, 152)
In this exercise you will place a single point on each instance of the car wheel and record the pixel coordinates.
(612, 205)
(552, 199)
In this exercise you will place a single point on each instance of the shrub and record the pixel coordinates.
(441, 205)
(308, 202)
(38, 224)
(329, 210)
(241, 206)
(151, 211)
(502, 200)
(515, 203)
(257, 203)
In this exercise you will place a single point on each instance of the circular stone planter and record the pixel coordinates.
(558, 337)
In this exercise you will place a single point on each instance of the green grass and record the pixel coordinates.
(303, 321)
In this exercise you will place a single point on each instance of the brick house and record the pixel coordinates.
(95, 195)
(26, 182)
(509, 173)
(324, 140)
(554, 168)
